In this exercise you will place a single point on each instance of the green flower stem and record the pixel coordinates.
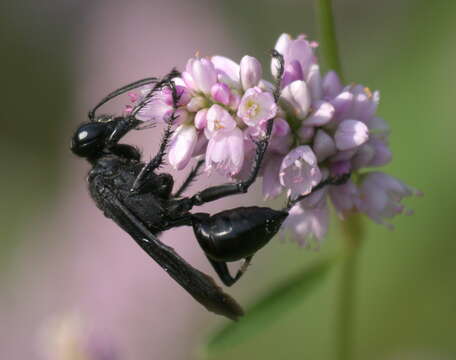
(345, 310)
(328, 42)
(352, 227)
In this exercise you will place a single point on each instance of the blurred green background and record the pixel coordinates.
(406, 295)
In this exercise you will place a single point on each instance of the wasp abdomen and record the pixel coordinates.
(236, 233)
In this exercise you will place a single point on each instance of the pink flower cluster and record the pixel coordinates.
(321, 128)
(220, 103)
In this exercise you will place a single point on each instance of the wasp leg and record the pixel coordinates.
(220, 191)
(334, 180)
(221, 268)
(190, 178)
(157, 161)
(166, 80)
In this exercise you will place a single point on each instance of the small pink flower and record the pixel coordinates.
(219, 120)
(381, 195)
(309, 218)
(299, 171)
(351, 134)
(256, 106)
(182, 146)
(251, 72)
(225, 152)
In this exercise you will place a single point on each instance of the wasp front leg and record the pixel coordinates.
(158, 159)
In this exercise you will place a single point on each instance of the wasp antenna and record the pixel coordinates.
(120, 91)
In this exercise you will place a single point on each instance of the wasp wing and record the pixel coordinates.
(199, 285)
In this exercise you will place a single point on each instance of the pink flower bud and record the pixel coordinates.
(332, 85)
(227, 70)
(296, 98)
(321, 116)
(201, 119)
(182, 145)
(280, 127)
(314, 82)
(203, 74)
(293, 72)
(324, 145)
(351, 134)
(221, 93)
(282, 45)
(251, 72)
(196, 103)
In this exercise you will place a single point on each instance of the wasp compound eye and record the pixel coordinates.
(89, 139)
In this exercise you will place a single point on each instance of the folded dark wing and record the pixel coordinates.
(199, 285)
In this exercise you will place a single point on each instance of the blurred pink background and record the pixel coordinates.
(91, 266)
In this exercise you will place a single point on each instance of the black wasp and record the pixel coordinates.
(141, 201)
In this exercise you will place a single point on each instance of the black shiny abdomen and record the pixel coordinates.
(237, 233)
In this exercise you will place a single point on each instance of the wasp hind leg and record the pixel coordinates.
(221, 268)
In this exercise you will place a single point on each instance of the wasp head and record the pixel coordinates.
(89, 140)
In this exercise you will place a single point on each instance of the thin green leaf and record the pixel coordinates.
(268, 308)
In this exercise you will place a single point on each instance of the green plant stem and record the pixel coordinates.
(328, 41)
(352, 227)
(345, 319)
